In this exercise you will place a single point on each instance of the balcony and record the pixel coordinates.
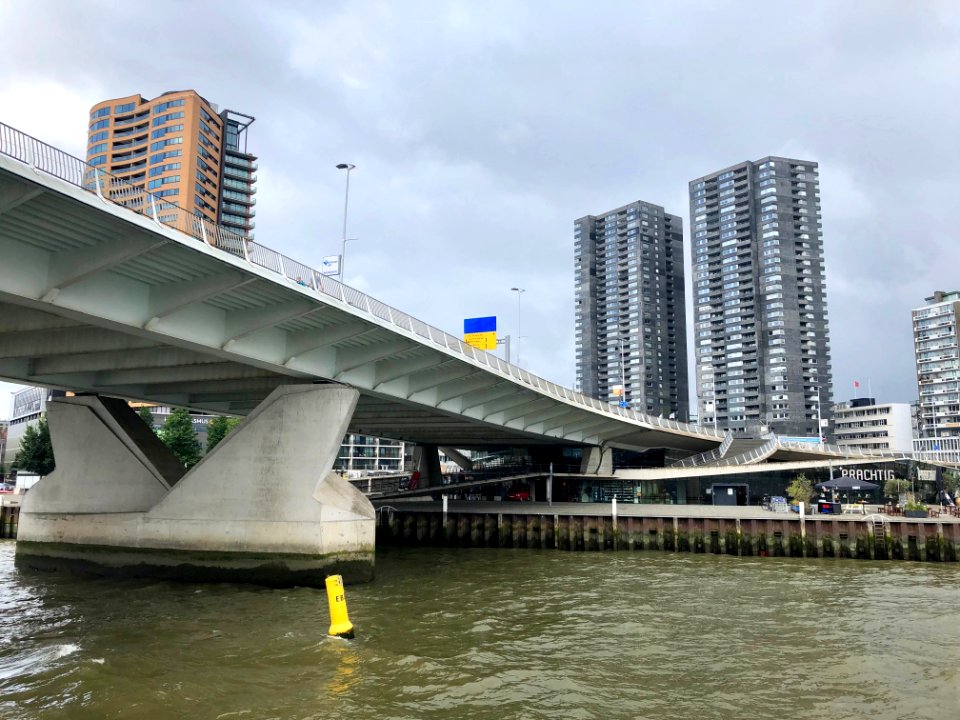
(122, 169)
(130, 119)
(242, 211)
(239, 161)
(240, 174)
(127, 157)
(132, 131)
(239, 197)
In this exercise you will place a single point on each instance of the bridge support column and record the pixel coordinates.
(262, 507)
(458, 457)
(426, 459)
(597, 461)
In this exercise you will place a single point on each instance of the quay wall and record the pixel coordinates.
(776, 535)
(9, 520)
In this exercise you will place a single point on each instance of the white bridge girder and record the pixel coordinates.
(97, 298)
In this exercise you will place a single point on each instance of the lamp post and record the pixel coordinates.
(346, 201)
(519, 292)
(505, 341)
(819, 422)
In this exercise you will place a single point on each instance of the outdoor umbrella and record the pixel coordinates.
(845, 482)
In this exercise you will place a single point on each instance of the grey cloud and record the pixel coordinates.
(481, 131)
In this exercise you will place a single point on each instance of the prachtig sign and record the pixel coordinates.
(869, 475)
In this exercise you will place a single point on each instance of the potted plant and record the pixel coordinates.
(800, 490)
(895, 488)
(914, 509)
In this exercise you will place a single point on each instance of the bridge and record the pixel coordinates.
(110, 292)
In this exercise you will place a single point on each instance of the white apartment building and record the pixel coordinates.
(938, 375)
(864, 424)
(361, 454)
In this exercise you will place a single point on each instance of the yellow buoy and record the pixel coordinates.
(340, 625)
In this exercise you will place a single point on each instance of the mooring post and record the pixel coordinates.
(550, 486)
(613, 522)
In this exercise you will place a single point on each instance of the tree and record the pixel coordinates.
(218, 429)
(800, 490)
(145, 415)
(36, 450)
(178, 435)
(895, 487)
(951, 481)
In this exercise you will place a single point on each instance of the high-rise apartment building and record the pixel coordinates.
(630, 309)
(937, 348)
(181, 149)
(760, 310)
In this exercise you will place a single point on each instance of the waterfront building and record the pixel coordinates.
(630, 323)
(361, 454)
(160, 414)
(937, 353)
(4, 427)
(29, 405)
(864, 424)
(180, 148)
(358, 453)
(760, 310)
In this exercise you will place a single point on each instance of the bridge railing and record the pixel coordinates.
(135, 197)
(705, 458)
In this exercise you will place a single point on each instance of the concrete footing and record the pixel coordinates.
(262, 507)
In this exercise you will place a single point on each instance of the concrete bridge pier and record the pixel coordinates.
(426, 460)
(262, 507)
(597, 461)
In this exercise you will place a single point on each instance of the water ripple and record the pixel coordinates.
(495, 634)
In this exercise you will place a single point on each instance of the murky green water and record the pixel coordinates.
(495, 634)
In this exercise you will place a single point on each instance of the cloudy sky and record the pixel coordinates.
(480, 131)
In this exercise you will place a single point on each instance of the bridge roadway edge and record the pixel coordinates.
(262, 507)
(547, 414)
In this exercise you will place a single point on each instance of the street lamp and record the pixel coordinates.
(819, 418)
(519, 292)
(346, 200)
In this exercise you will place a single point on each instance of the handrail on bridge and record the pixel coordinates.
(705, 458)
(775, 443)
(110, 188)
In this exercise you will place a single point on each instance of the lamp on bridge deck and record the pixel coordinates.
(346, 200)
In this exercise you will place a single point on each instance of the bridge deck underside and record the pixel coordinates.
(98, 298)
(45, 349)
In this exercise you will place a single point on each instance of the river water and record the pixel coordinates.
(495, 634)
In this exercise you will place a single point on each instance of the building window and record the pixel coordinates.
(169, 104)
(167, 118)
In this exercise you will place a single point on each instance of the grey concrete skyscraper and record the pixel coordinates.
(630, 309)
(760, 310)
